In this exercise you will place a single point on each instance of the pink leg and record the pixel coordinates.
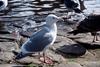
(46, 59)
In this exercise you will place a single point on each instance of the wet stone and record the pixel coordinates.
(47, 6)
(23, 14)
(47, 0)
(29, 5)
(12, 19)
(1, 13)
(43, 13)
(16, 4)
(9, 16)
(58, 10)
(23, 9)
(15, 0)
(35, 2)
(11, 2)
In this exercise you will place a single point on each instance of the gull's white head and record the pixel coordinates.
(3, 4)
(51, 19)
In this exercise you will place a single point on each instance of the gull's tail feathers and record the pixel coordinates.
(20, 56)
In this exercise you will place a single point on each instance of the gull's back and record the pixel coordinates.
(38, 41)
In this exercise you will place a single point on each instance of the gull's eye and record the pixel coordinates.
(53, 17)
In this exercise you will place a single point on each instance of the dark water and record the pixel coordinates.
(26, 8)
(23, 11)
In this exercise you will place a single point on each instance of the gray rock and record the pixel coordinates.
(20, 10)
(74, 49)
(91, 64)
(30, 59)
(10, 65)
(23, 9)
(69, 64)
(5, 54)
(23, 14)
(7, 37)
(16, 4)
(44, 13)
(8, 46)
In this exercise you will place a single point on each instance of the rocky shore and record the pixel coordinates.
(67, 51)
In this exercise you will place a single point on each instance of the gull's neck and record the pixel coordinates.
(52, 27)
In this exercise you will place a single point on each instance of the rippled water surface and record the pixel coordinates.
(18, 9)
(22, 11)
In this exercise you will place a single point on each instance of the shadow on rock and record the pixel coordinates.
(72, 51)
(89, 45)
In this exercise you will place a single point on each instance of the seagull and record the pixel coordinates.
(40, 40)
(70, 4)
(73, 7)
(3, 4)
(90, 24)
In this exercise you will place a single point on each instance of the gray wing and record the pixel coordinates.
(38, 41)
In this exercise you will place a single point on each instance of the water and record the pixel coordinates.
(22, 11)
(19, 9)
